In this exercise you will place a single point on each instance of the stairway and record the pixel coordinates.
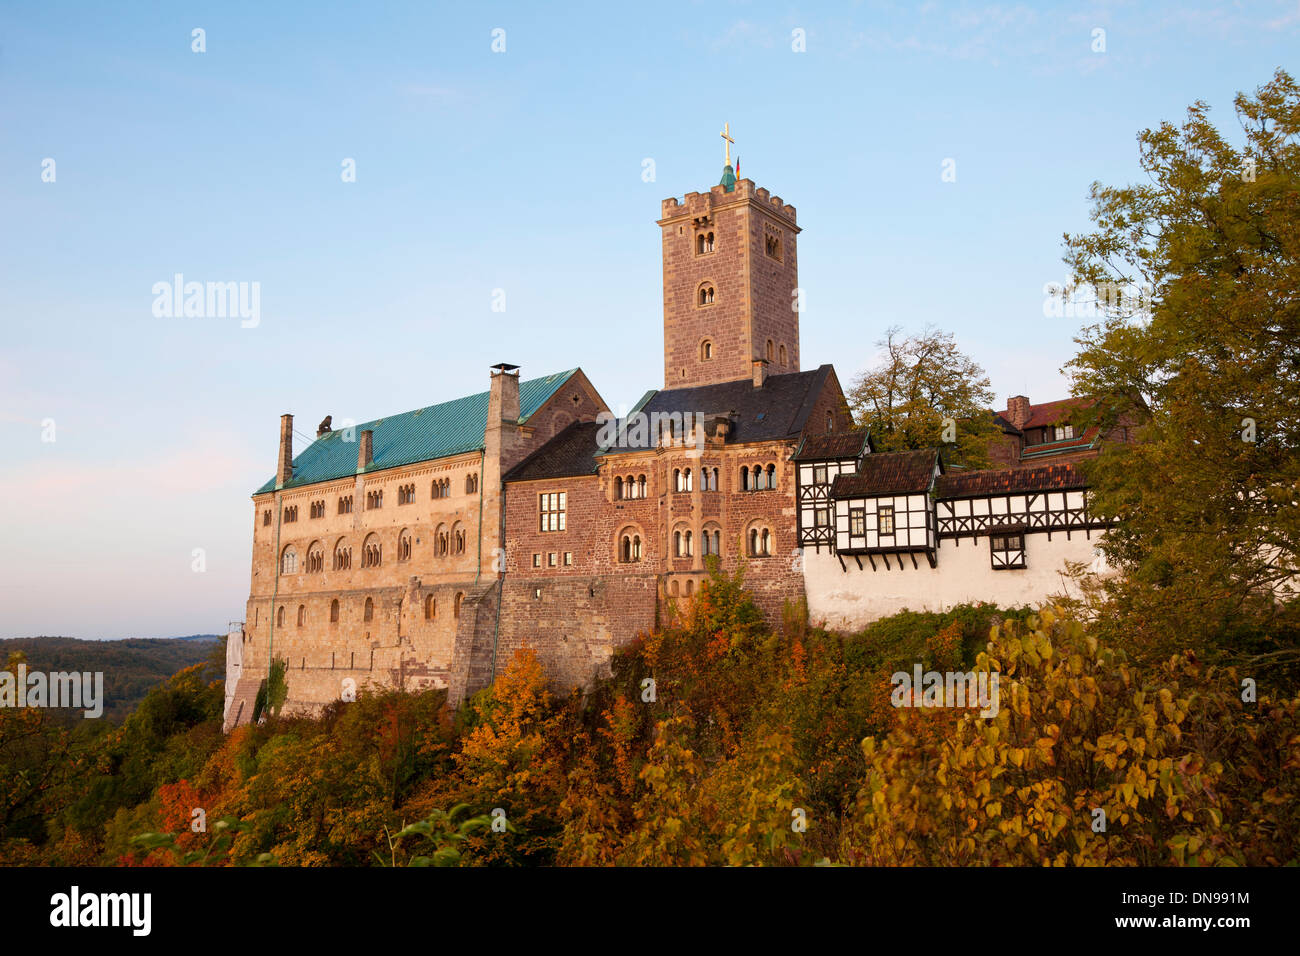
(241, 704)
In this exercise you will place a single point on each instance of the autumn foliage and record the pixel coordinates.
(716, 740)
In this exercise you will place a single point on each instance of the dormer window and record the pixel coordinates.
(1062, 432)
(706, 294)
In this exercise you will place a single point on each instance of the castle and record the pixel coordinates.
(423, 549)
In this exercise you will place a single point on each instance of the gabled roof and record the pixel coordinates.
(1060, 477)
(437, 431)
(569, 454)
(833, 446)
(1050, 413)
(890, 473)
(777, 410)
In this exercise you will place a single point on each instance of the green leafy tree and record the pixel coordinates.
(1196, 272)
(924, 393)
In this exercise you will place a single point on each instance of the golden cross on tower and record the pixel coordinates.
(726, 135)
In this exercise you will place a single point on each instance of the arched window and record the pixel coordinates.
(699, 244)
(279, 617)
(744, 478)
(458, 539)
(618, 488)
(706, 294)
(629, 547)
(342, 555)
(430, 607)
(640, 486)
(771, 476)
(289, 561)
(766, 541)
(455, 609)
(334, 611)
(760, 542)
(677, 480)
(315, 557)
(370, 552)
(302, 614)
(404, 546)
(713, 483)
(690, 588)
(706, 350)
(677, 544)
(690, 544)
(471, 485)
(770, 352)
(673, 588)
(757, 483)
(708, 243)
(369, 614)
(687, 481)
(441, 541)
(711, 541)
(783, 356)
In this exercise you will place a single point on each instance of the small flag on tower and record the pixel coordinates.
(737, 165)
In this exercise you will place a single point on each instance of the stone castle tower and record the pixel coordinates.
(731, 279)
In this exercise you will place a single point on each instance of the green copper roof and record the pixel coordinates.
(437, 431)
(728, 178)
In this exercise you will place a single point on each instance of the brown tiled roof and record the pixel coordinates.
(889, 473)
(1052, 413)
(832, 445)
(1066, 475)
(568, 454)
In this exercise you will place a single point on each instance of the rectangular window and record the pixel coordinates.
(1064, 431)
(568, 559)
(857, 522)
(885, 519)
(266, 517)
(551, 510)
(821, 517)
(550, 560)
(1007, 550)
(819, 474)
(537, 560)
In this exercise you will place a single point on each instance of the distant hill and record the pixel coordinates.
(131, 667)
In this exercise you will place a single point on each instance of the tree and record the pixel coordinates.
(1090, 760)
(1206, 351)
(921, 381)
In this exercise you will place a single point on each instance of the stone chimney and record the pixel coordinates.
(324, 427)
(503, 396)
(760, 372)
(1018, 410)
(284, 469)
(366, 450)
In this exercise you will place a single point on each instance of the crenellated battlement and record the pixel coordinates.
(701, 204)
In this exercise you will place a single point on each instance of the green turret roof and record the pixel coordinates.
(728, 178)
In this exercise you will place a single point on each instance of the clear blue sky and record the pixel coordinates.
(521, 171)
